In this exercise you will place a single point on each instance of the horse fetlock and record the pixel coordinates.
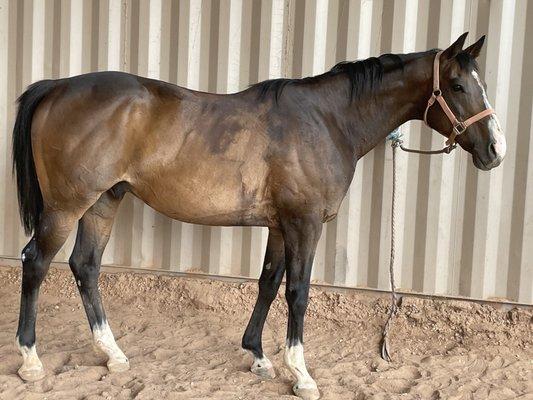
(305, 386)
(263, 368)
(32, 368)
(250, 344)
(104, 341)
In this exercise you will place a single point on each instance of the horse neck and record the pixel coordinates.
(401, 96)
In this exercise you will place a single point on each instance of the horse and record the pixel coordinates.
(280, 154)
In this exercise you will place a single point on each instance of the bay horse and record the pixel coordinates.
(280, 154)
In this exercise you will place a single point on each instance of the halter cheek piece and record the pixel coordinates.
(459, 127)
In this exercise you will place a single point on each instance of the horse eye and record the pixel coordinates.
(457, 88)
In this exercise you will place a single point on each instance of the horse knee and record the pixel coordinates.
(270, 280)
(267, 290)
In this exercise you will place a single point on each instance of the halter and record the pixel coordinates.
(459, 127)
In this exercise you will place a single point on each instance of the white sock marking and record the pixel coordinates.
(30, 359)
(294, 360)
(105, 341)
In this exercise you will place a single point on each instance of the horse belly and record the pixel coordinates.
(222, 192)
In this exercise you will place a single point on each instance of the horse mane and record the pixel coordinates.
(364, 75)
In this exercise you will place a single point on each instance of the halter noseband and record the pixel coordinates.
(459, 127)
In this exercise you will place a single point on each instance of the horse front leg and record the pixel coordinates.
(271, 276)
(300, 237)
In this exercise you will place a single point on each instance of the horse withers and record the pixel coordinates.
(280, 154)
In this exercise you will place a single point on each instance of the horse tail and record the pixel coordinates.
(30, 198)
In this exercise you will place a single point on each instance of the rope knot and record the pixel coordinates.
(396, 143)
(396, 138)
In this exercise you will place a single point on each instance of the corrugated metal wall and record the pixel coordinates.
(461, 231)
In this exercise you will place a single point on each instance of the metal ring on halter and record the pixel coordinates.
(448, 149)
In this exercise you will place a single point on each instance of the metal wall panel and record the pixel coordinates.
(461, 231)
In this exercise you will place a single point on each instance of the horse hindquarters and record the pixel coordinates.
(43, 208)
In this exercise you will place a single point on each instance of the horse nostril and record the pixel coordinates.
(492, 150)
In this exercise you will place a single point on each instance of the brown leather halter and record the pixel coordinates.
(459, 127)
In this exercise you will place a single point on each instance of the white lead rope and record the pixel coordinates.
(395, 138)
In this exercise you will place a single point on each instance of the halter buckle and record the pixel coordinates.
(459, 128)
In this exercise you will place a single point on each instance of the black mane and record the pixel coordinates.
(364, 75)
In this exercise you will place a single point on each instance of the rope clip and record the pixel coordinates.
(396, 138)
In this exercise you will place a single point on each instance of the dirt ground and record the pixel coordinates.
(183, 340)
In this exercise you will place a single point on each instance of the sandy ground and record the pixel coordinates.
(183, 340)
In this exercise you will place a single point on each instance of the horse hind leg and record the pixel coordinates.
(93, 234)
(50, 234)
(271, 276)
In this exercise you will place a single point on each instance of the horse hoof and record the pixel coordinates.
(118, 365)
(306, 393)
(264, 372)
(31, 374)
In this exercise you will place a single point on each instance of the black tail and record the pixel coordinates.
(29, 192)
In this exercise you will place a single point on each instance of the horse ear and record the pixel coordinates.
(455, 48)
(475, 49)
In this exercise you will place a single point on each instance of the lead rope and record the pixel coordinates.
(395, 138)
(396, 141)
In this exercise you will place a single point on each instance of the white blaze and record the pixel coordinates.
(494, 124)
